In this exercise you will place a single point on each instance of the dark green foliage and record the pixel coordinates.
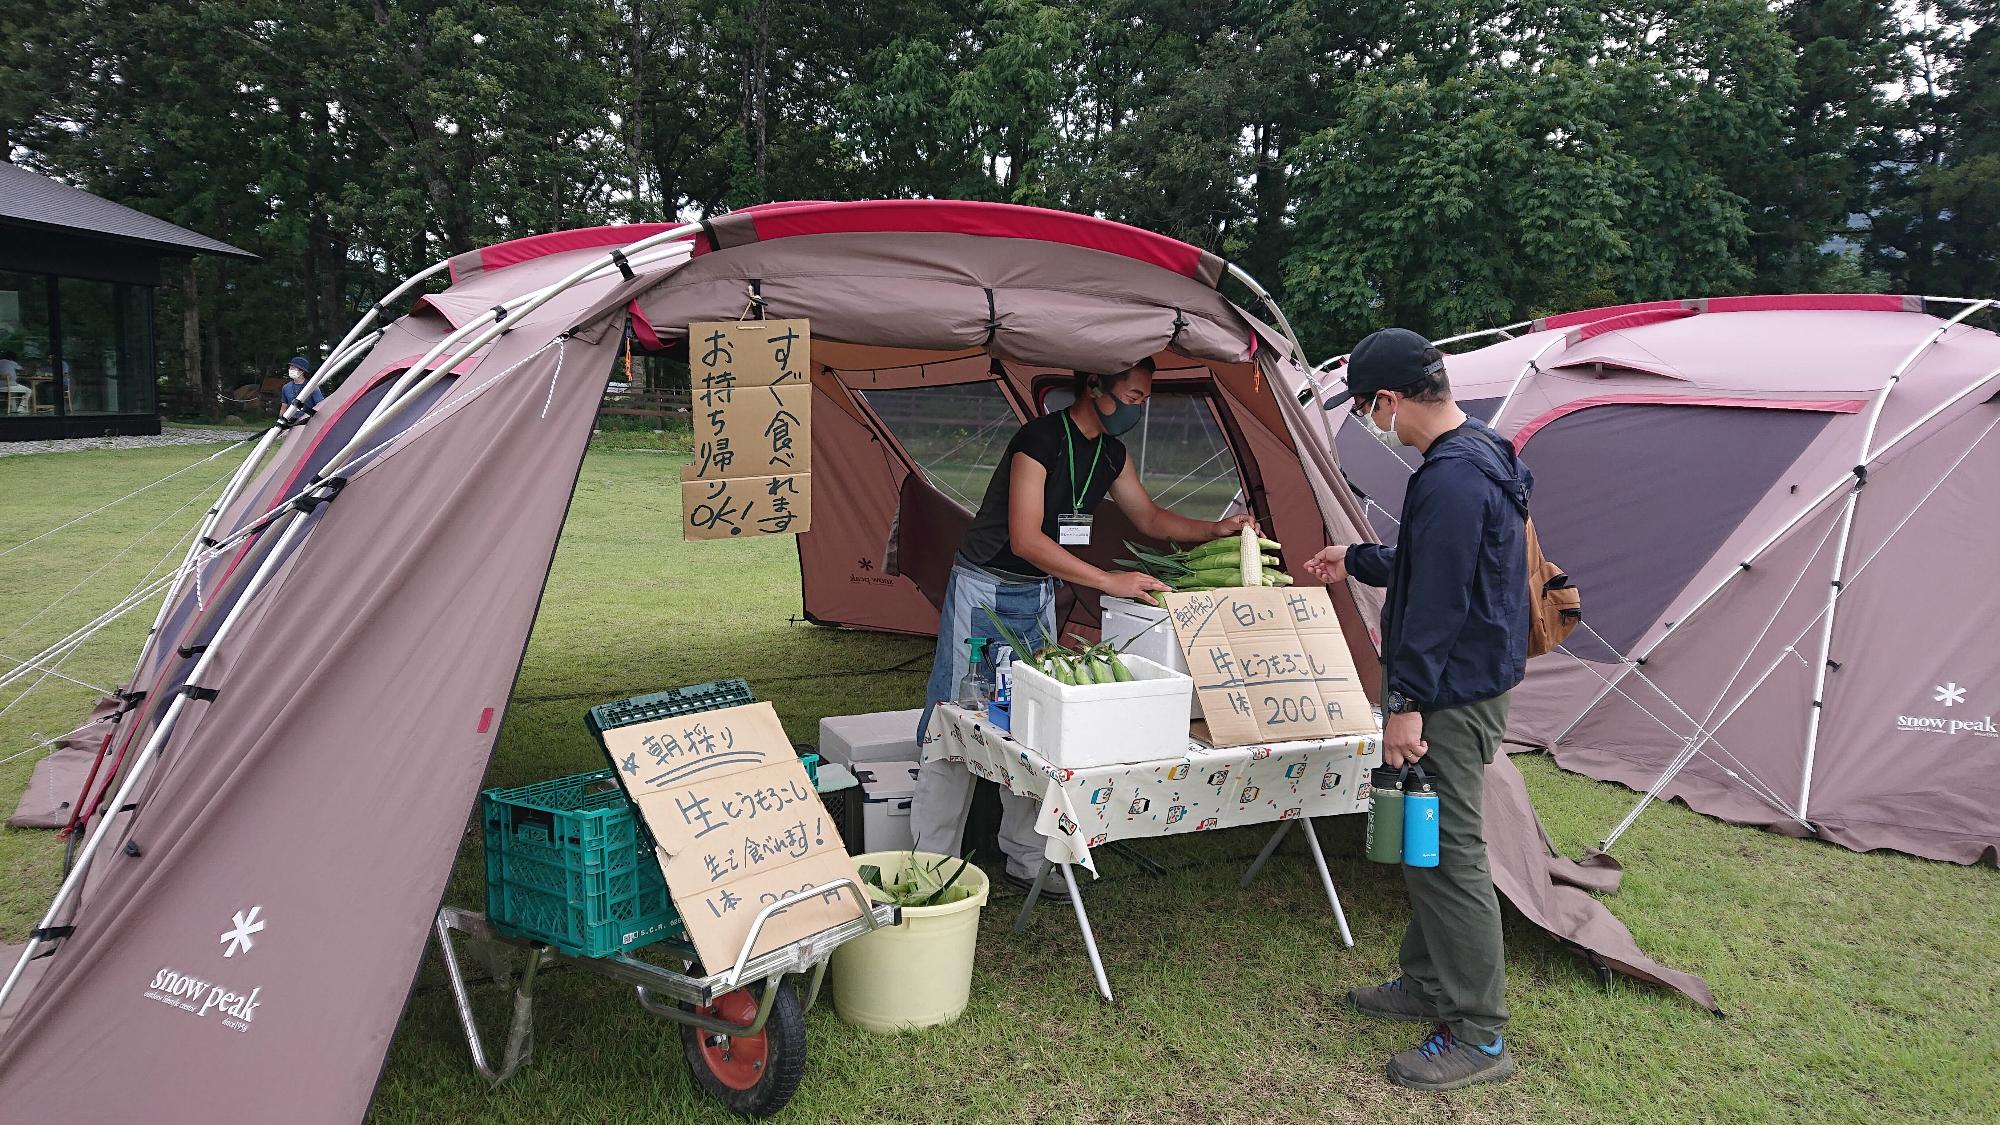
(1439, 165)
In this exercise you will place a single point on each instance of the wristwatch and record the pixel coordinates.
(1396, 703)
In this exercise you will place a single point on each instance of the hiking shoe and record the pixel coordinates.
(1444, 1062)
(1392, 1002)
(1053, 889)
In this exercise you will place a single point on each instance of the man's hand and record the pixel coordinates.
(1230, 525)
(1329, 566)
(1403, 738)
(1133, 584)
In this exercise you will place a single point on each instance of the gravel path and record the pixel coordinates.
(173, 436)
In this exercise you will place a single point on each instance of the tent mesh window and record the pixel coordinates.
(956, 434)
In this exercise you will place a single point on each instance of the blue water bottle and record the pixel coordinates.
(1420, 820)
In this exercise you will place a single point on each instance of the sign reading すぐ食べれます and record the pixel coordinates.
(1270, 664)
(738, 827)
(752, 402)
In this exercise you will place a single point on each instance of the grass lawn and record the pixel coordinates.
(1860, 988)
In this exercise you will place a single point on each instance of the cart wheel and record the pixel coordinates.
(754, 1075)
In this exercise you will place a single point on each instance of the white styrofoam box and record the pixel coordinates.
(887, 789)
(1140, 720)
(1145, 630)
(885, 736)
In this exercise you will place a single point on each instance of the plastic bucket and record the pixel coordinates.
(917, 973)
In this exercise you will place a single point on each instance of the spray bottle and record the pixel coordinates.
(975, 688)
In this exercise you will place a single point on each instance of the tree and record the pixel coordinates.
(1936, 224)
(1585, 163)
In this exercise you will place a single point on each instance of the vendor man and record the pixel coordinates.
(1039, 505)
(1454, 643)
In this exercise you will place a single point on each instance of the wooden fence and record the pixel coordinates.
(648, 404)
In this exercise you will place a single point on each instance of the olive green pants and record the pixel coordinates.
(1452, 954)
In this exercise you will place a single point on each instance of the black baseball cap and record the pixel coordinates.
(1387, 359)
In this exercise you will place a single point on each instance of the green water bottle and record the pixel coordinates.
(1385, 814)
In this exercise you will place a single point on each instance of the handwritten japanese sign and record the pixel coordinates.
(752, 402)
(1269, 665)
(735, 506)
(738, 826)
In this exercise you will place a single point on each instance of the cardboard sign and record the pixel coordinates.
(752, 430)
(721, 509)
(1269, 665)
(738, 827)
(749, 353)
(752, 405)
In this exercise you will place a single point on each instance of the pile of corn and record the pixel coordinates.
(1233, 560)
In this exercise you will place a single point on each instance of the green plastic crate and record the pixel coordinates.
(565, 866)
(569, 863)
(712, 696)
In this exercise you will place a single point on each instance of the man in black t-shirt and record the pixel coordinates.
(1039, 504)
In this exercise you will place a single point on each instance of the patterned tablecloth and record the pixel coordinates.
(1201, 790)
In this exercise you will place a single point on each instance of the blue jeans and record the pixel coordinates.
(944, 789)
(1028, 608)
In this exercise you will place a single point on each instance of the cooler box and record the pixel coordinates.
(1145, 630)
(886, 790)
(1141, 720)
(886, 736)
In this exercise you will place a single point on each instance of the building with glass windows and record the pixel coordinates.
(77, 275)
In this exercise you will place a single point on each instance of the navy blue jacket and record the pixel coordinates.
(1455, 626)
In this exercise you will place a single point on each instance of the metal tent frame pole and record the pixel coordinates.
(147, 756)
(1818, 704)
(1534, 364)
(319, 489)
(351, 348)
(1804, 512)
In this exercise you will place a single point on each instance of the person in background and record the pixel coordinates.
(295, 381)
(16, 397)
(1038, 505)
(1454, 643)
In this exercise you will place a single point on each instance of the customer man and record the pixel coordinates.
(1454, 642)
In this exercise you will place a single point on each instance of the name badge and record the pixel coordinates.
(1073, 530)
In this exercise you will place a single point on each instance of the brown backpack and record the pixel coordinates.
(1555, 607)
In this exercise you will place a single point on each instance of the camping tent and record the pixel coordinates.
(287, 784)
(1780, 512)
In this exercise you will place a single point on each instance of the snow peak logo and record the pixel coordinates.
(205, 998)
(1950, 695)
(235, 1009)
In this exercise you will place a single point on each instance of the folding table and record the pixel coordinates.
(1200, 790)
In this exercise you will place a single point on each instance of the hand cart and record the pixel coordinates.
(742, 1030)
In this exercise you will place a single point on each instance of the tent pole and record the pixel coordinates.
(1826, 645)
(146, 758)
(1864, 458)
(1533, 364)
(421, 376)
(1278, 314)
(1806, 511)
(1503, 330)
(349, 351)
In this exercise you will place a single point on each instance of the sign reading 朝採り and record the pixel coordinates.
(752, 405)
(1269, 664)
(738, 827)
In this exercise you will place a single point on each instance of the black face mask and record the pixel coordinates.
(1123, 417)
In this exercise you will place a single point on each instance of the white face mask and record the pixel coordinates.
(1387, 437)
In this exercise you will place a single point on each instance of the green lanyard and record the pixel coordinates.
(1077, 494)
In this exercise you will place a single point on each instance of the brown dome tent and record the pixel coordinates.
(1780, 511)
(305, 732)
